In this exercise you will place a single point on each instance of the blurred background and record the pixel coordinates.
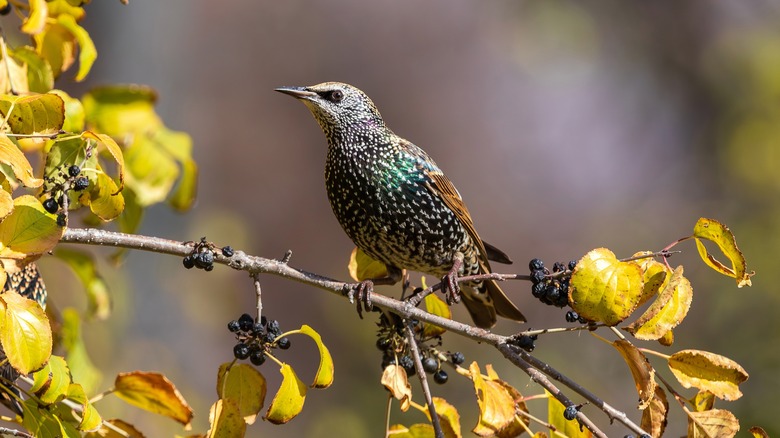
(565, 125)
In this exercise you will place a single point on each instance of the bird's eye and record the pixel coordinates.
(336, 96)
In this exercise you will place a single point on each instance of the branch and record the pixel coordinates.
(258, 265)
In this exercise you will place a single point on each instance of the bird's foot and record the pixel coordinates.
(449, 282)
(361, 295)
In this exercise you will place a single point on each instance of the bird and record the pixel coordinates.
(397, 205)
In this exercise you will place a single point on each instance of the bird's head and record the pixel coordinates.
(338, 107)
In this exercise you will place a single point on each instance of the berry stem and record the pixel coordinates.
(258, 291)
(439, 433)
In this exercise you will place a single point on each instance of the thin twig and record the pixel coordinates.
(14, 432)
(258, 291)
(423, 380)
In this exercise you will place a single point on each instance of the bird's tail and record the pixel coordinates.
(485, 301)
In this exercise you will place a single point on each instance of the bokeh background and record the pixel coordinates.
(565, 125)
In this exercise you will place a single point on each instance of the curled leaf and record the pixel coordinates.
(496, 400)
(51, 383)
(11, 156)
(667, 311)
(655, 415)
(324, 376)
(716, 232)
(708, 371)
(394, 378)
(288, 401)
(641, 370)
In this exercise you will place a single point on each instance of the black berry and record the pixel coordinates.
(440, 377)
(558, 267)
(204, 259)
(383, 343)
(536, 265)
(234, 326)
(188, 262)
(572, 316)
(51, 205)
(209, 268)
(408, 364)
(273, 328)
(227, 251)
(457, 358)
(537, 290)
(283, 343)
(62, 220)
(258, 329)
(81, 183)
(246, 322)
(74, 170)
(525, 342)
(430, 365)
(241, 351)
(570, 412)
(257, 357)
(572, 265)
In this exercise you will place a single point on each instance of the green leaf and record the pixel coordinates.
(87, 50)
(83, 265)
(25, 333)
(243, 385)
(42, 423)
(11, 156)
(81, 367)
(28, 230)
(288, 401)
(90, 418)
(226, 421)
(179, 145)
(604, 289)
(121, 109)
(36, 114)
(324, 376)
(40, 78)
(153, 392)
(151, 172)
(363, 267)
(51, 383)
(714, 231)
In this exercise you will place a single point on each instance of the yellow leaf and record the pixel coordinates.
(496, 401)
(654, 417)
(667, 311)
(15, 159)
(604, 289)
(570, 429)
(153, 392)
(703, 401)
(245, 386)
(90, 418)
(449, 418)
(51, 383)
(110, 145)
(288, 401)
(716, 422)
(35, 114)
(106, 432)
(28, 230)
(654, 275)
(38, 77)
(324, 376)
(87, 51)
(363, 267)
(641, 370)
(44, 423)
(25, 333)
(226, 421)
(35, 22)
(13, 76)
(6, 204)
(716, 232)
(413, 431)
(57, 46)
(758, 432)
(435, 306)
(708, 371)
(396, 381)
(103, 197)
(119, 110)
(74, 112)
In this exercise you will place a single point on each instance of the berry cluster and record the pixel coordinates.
(395, 349)
(551, 288)
(526, 342)
(255, 339)
(202, 256)
(55, 186)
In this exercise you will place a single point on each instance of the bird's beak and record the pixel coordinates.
(297, 92)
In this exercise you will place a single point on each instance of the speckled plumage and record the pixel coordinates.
(395, 203)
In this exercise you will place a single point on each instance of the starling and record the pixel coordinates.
(395, 203)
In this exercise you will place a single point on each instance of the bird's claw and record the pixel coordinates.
(362, 291)
(451, 288)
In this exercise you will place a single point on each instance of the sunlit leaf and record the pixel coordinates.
(74, 112)
(288, 401)
(87, 51)
(35, 114)
(641, 370)
(43, 423)
(708, 371)
(117, 110)
(703, 401)
(179, 146)
(51, 383)
(25, 333)
(496, 403)
(654, 276)
(226, 421)
(113, 149)
(667, 311)
(396, 381)
(715, 423)
(449, 418)
(81, 368)
(57, 46)
(28, 230)
(413, 431)
(716, 232)
(654, 417)
(15, 159)
(6, 203)
(36, 20)
(324, 376)
(40, 78)
(604, 289)
(90, 418)
(151, 172)
(108, 432)
(569, 428)
(153, 392)
(83, 265)
(245, 386)
(436, 306)
(363, 267)
(103, 197)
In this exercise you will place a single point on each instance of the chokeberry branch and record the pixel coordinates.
(259, 265)
(14, 432)
(423, 379)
